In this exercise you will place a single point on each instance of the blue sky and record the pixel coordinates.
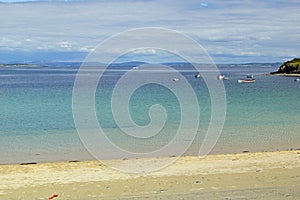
(231, 31)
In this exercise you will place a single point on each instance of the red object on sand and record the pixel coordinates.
(53, 196)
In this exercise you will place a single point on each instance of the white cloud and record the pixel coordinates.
(223, 27)
(145, 51)
(86, 49)
(65, 45)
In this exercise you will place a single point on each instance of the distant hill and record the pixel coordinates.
(289, 67)
(18, 65)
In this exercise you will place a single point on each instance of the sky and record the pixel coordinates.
(231, 31)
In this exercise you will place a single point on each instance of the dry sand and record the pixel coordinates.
(268, 175)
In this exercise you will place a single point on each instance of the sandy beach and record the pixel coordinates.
(267, 175)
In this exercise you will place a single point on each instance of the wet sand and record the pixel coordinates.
(267, 175)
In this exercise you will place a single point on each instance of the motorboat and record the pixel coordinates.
(249, 79)
(246, 80)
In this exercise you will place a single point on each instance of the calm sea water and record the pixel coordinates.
(36, 121)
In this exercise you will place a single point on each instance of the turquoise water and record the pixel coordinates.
(36, 121)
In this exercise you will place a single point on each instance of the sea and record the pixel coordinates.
(37, 112)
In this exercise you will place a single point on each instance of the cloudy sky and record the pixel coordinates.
(231, 31)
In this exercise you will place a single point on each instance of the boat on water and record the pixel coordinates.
(250, 79)
(297, 79)
(250, 76)
(198, 75)
(222, 77)
(246, 80)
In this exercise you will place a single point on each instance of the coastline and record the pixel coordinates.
(273, 174)
(282, 74)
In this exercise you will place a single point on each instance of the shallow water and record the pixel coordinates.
(36, 121)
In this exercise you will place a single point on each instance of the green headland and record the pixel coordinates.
(289, 68)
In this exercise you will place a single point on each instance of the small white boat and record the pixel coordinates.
(175, 79)
(297, 79)
(198, 75)
(246, 80)
(222, 77)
